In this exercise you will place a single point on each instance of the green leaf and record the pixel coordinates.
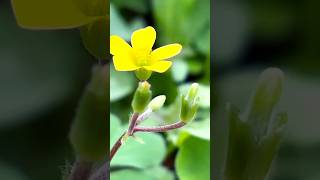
(200, 129)
(95, 37)
(132, 153)
(129, 174)
(159, 173)
(49, 14)
(122, 84)
(115, 129)
(155, 173)
(192, 161)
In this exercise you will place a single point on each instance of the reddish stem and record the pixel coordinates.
(118, 143)
(116, 147)
(160, 128)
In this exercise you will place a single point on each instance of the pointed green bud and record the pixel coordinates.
(189, 104)
(143, 74)
(193, 92)
(265, 98)
(141, 97)
(157, 102)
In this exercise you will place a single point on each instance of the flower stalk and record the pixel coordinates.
(189, 105)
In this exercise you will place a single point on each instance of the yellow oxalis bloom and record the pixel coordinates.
(140, 56)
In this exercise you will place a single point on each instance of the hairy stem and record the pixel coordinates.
(102, 173)
(160, 128)
(116, 147)
(81, 170)
(118, 143)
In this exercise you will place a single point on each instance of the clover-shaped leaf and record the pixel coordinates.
(192, 162)
(134, 154)
(155, 173)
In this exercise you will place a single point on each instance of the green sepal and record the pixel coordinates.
(143, 74)
(141, 97)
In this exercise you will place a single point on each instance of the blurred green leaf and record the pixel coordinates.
(140, 6)
(278, 24)
(179, 70)
(122, 84)
(118, 26)
(10, 173)
(164, 84)
(192, 162)
(203, 42)
(182, 20)
(37, 62)
(232, 31)
(88, 133)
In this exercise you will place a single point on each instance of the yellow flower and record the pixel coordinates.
(139, 56)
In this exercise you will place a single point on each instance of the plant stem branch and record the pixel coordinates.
(133, 123)
(116, 147)
(160, 128)
(118, 143)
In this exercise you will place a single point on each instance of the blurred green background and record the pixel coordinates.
(250, 36)
(42, 75)
(182, 153)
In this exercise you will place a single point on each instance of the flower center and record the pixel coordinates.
(142, 56)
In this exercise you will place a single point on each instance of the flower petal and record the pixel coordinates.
(160, 66)
(143, 39)
(124, 63)
(118, 46)
(166, 52)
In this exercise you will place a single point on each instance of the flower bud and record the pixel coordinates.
(141, 97)
(157, 102)
(143, 74)
(189, 104)
(265, 98)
